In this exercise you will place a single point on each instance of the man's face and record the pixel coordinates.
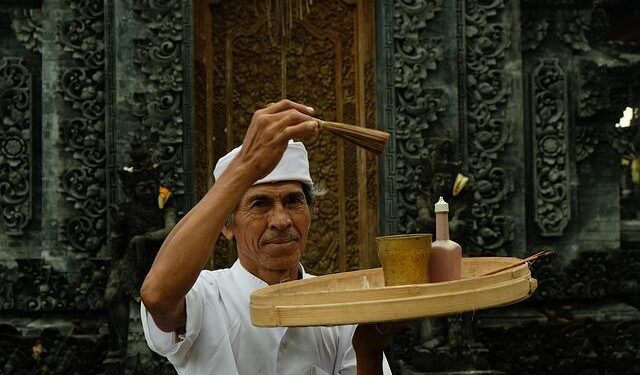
(271, 225)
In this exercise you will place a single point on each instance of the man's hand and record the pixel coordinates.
(368, 343)
(270, 130)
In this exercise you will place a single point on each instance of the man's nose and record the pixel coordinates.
(279, 218)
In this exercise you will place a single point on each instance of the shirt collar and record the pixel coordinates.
(249, 282)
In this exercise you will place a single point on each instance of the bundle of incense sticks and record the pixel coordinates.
(370, 139)
(530, 259)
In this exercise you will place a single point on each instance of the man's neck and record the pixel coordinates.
(273, 277)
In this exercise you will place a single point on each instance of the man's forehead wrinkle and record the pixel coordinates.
(277, 188)
(272, 191)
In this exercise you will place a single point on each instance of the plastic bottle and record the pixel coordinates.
(445, 261)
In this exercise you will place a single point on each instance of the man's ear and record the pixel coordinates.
(227, 232)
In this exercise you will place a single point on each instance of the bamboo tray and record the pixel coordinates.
(361, 297)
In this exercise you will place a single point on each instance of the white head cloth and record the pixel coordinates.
(294, 165)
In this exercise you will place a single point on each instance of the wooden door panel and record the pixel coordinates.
(317, 66)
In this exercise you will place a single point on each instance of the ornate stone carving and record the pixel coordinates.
(580, 345)
(580, 30)
(534, 30)
(7, 287)
(599, 28)
(625, 141)
(27, 25)
(575, 329)
(626, 269)
(139, 225)
(61, 349)
(552, 208)
(36, 286)
(574, 28)
(488, 89)
(386, 104)
(409, 106)
(436, 177)
(164, 107)
(82, 130)
(418, 107)
(592, 88)
(16, 146)
(593, 275)
(587, 140)
(587, 277)
(551, 281)
(414, 159)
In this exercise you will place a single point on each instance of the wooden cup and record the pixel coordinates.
(405, 258)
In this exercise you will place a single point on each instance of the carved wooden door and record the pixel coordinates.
(325, 62)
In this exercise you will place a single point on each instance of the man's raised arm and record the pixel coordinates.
(187, 248)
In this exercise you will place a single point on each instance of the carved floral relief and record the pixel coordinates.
(82, 131)
(487, 38)
(418, 105)
(550, 137)
(159, 56)
(16, 146)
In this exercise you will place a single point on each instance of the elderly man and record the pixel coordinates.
(200, 319)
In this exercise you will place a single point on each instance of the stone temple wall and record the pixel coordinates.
(78, 79)
(521, 97)
(518, 96)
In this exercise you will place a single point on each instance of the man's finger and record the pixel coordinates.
(278, 121)
(291, 117)
(285, 104)
(304, 129)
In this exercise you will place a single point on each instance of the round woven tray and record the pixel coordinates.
(361, 297)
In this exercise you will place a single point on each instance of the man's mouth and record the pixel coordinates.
(280, 241)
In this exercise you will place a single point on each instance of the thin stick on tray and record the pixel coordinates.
(370, 139)
(532, 258)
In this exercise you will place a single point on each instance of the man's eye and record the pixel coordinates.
(296, 199)
(259, 203)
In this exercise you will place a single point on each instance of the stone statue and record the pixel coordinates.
(444, 180)
(442, 339)
(139, 225)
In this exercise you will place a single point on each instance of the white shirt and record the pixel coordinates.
(220, 338)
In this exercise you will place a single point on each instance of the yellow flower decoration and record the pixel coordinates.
(36, 350)
(163, 196)
(635, 171)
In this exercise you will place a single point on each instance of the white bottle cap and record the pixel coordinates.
(442, 206)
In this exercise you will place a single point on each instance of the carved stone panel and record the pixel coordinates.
(54, 188)
(592, 88)
(36, 286)
(477, 116)
(386, 114)
(490, 121)
(16, 146)
(164, 106)
(550, 148)
(27, 25)
(420, 109)
(81, 86)
(58, 348)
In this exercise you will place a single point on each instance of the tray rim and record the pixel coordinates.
(274, 293)
(403, 309)
(278, 305)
